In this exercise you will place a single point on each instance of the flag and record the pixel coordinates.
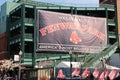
(96, 73)
(86, 73)
(60, 74)
(117, 74)
(103, 75)
(76, 72)
(106, 73)
(112, 74)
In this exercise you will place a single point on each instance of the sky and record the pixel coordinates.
(77, 3)
(3, 1)
(66, 2)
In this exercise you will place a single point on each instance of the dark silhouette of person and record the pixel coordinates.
(107, 78)
(91, 76)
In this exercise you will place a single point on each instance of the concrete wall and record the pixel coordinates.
(115, 60)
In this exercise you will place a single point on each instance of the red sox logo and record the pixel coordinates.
(74, 38)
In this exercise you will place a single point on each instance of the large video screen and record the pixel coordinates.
(67, 32)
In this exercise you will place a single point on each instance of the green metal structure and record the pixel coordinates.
(22, 33)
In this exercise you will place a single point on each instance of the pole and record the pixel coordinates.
(70, 53)
(19, 67)
(19, 72)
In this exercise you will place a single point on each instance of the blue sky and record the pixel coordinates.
(66, 2)
(3, 1)
(77, 3)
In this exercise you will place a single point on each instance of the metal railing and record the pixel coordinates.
(15, 23)
(29, 20)
(28, 55)
(104, 54)
(111, 33)
(111, 21)
(28, 36)
(26, 20)
(15, 37)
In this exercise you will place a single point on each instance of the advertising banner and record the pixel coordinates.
(66, 32)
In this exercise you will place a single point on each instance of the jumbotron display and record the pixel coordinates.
(65, 32)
